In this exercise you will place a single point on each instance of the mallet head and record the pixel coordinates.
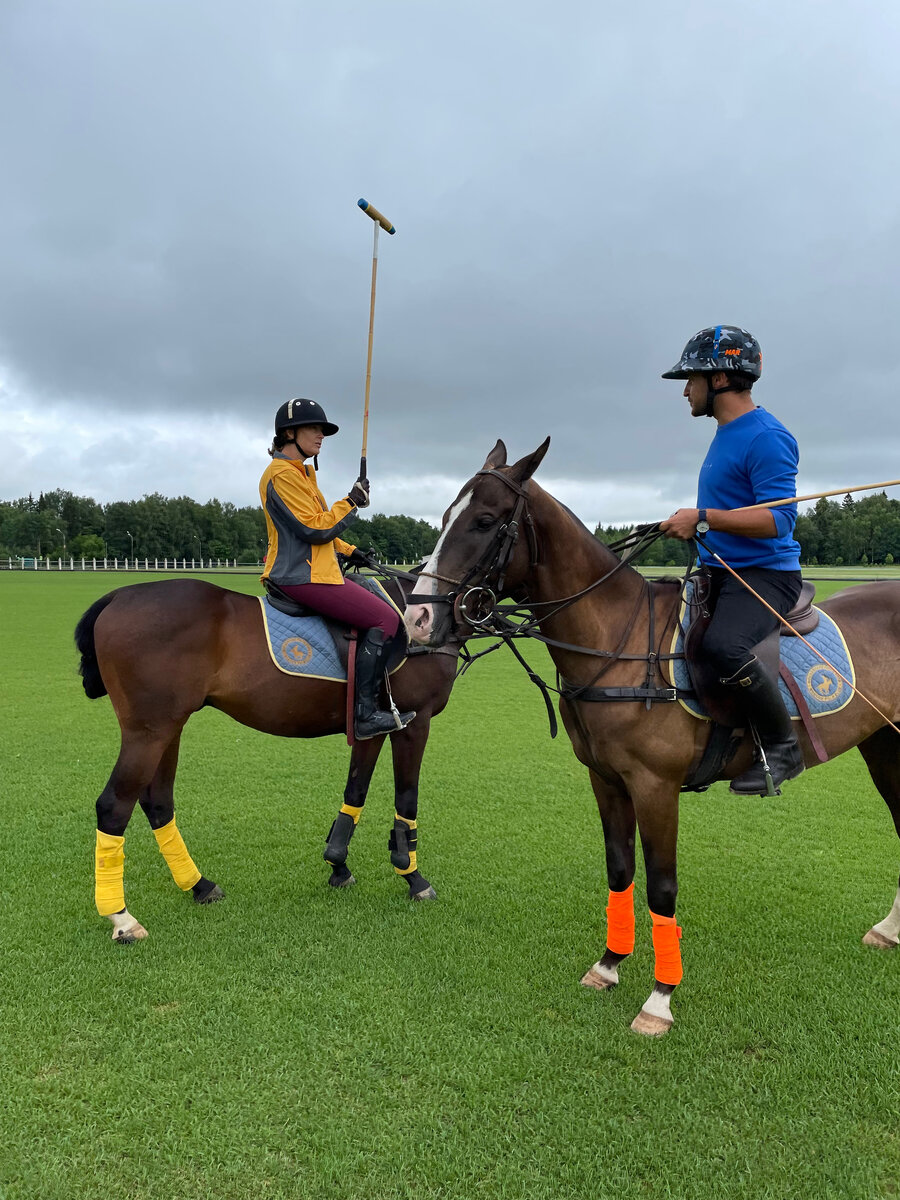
(373, 212)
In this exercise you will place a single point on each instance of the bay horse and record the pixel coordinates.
(504, 536)
(164, 650)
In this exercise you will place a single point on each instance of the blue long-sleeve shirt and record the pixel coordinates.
(751, 459)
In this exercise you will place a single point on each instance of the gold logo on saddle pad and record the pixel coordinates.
(297, 651)
(823, 684)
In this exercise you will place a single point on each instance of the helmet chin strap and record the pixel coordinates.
(300, 450)
(711, 394)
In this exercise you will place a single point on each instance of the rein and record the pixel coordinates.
(476, 605)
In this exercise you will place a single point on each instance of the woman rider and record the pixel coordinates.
(302, 561)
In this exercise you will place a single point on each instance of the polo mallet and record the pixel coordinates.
(862, 487)
(383, 223)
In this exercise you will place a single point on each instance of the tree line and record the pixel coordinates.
(846, 533)
(59, 524)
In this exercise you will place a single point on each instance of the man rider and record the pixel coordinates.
(752, 458)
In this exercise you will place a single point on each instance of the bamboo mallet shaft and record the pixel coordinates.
(863, 487)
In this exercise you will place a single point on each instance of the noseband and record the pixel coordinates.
(475, 603)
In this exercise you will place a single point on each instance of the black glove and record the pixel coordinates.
(359, 493)
(363, 558)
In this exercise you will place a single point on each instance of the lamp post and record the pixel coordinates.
(196, 538)
(132, 544)
(63, 536)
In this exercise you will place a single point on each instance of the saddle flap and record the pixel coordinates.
(717, 699)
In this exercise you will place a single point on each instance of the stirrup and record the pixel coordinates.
(380, 722)
(758, 778)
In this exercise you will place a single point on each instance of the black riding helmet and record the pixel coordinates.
(294, 413)
(719, 348)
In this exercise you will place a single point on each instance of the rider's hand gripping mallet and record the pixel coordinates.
(383, 223)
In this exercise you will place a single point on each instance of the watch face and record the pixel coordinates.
(703, 526)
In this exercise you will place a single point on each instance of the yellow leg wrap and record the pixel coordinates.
(352, 811)
(109, 874)
(174, 851)
(411, 840)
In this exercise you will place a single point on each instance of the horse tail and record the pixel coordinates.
(89, 668)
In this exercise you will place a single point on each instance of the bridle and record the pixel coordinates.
(476, 604)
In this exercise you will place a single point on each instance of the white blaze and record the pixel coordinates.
(431, 567)
(420, 617)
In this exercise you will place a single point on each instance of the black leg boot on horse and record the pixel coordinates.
(761, 703)
(369, 720)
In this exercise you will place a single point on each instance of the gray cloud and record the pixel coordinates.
(576, 191)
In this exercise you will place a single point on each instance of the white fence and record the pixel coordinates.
(124, 564)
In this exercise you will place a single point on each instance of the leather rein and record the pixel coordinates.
(475, 604)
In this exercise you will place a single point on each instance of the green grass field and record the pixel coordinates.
(295, 1041)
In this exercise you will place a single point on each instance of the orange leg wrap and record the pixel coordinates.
(620, 921)
(667, 952)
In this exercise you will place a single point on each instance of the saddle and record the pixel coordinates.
(342, 635)
(717, 699)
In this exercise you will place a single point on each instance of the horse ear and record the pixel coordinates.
(526, 467)
(496, 458)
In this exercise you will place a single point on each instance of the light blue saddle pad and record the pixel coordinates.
(822, 688)
(301, 645)
(304, 645)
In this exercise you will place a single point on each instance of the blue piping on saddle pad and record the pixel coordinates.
(824, 691)
(304, 645)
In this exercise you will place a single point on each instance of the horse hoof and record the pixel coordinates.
(593, 979)
(214, 894)
(341, 881)
(649, 1025)
(426, 894)
(874, 938)
(127, 937)
(126, 929)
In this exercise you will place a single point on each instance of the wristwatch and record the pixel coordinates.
(702, 523)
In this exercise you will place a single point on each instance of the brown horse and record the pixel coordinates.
(505, 536)
(164, 650)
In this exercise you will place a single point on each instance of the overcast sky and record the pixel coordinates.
(577, 188)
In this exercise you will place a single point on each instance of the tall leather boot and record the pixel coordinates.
(761, 702)
(368, 719)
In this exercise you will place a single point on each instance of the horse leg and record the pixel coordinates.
(407, 749)
(657, 815)
(882, 754)
(617, 816)
(158, 802)
(135, 767)
(362, 765)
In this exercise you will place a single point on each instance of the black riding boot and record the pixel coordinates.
(761, 702)
(370, 721)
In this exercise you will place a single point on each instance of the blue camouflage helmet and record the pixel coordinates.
(294, 413)
(719, 348)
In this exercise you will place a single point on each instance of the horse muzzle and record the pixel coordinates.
(422, 623)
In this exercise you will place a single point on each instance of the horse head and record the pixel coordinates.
(486, 544)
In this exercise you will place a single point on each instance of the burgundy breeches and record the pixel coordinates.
(349, 602)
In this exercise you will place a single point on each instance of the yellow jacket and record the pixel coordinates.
(303, 531)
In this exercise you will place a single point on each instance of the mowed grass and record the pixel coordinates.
(295, 1041)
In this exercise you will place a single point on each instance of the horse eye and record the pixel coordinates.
(485, 522)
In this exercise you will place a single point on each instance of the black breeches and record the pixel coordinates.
(739, 621)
